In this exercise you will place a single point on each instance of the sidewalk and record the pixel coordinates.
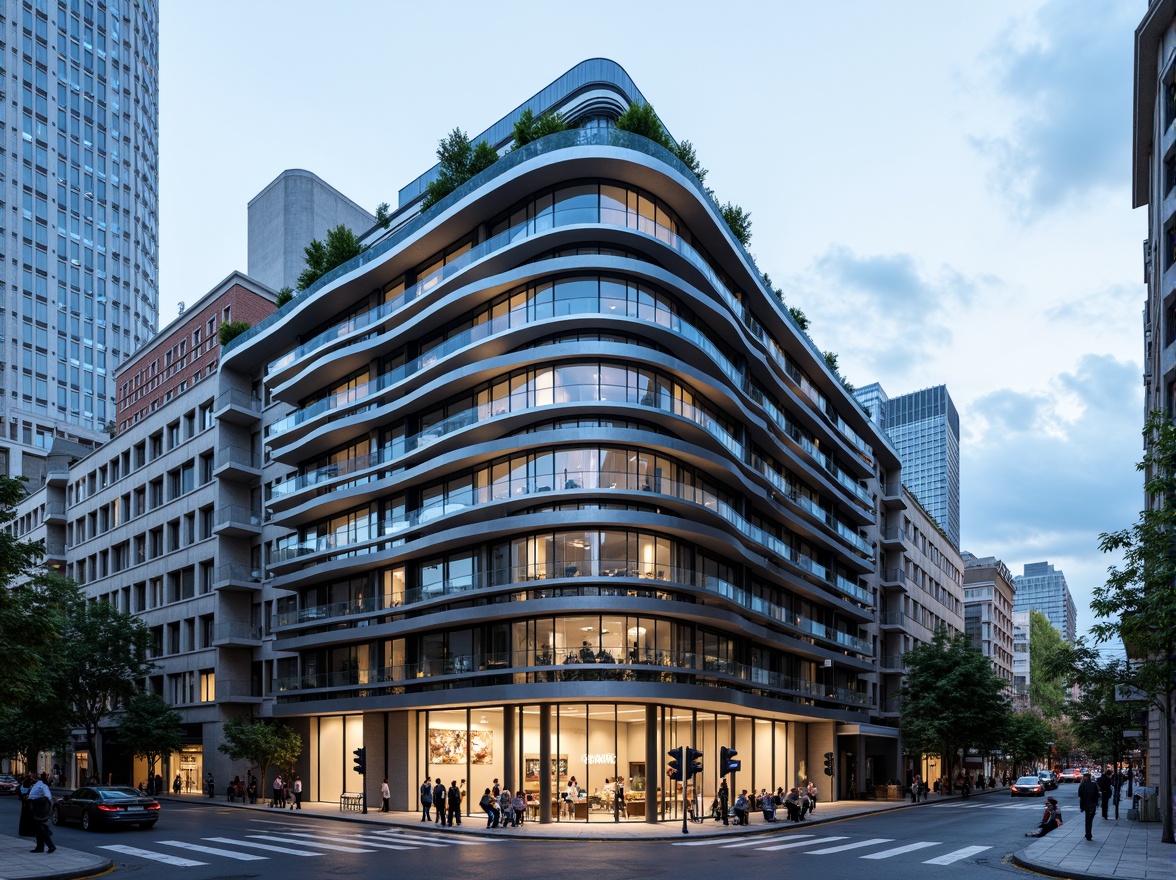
(1121, 850)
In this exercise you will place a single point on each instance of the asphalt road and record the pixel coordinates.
(200, 842)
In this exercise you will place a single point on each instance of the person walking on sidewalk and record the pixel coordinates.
(1088, 802)
(1104, 790)
(724, 798)
(40, 802)
(385, 795)
(453, 803)
(296, 804)
(426, 799)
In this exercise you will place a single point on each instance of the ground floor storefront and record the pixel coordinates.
(586, 761)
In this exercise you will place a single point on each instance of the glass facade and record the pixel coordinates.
(81, 290)
(1043, 588)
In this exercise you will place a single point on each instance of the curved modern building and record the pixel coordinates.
(553, 484)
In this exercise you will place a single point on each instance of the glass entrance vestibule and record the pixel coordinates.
(604, 762)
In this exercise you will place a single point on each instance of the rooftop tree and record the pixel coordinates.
(459, 161)
(339, 246)
(529, 127)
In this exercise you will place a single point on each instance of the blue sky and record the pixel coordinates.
(941, 187)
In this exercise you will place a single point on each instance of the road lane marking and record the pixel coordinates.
(153, 856)
(899, 850)
(800, 843)
(360, 840)
(459, 841)
(957, 855)
(747, 843)
(845, 846)
(213, 851)
(265, 846)
(712, 841)
(315, 844)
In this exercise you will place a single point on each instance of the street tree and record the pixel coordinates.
(952, 701)
(102, 656)
(1047, 690)
(262, 743)
(1137, 604)
(150, 728)
(1027, 737)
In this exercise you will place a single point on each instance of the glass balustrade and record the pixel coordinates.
(525, 229)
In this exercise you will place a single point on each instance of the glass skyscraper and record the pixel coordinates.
(1043, 588)
(79, 281)
(925, 430)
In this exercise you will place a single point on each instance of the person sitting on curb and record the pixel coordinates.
(1051, 820)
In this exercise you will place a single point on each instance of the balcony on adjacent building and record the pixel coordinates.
(237, 463)
(236, 634)
(237, 577)
(237, 407)
(240, 522)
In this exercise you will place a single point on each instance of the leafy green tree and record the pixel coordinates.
(686, 152)
(831, 361)
(262, 743)
(459, 161)
(529, 127)
(150, 728)
(102, 656)
(738, 221)
(1027, 736)
(1099, 719)
(339, 246)
(383, 215)
(39, 723)
(1137, 604)
(230, 330)
(640, 119)
(951, 700)
(1047, 690)
(284, 296)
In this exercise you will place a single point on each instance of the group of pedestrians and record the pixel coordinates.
(797, 803)
(287, 794)
(503, 809)
(446, 802)
(1091, 794)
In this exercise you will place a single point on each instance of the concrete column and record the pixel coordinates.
(510, 775)
(545, 794)
(653, 768)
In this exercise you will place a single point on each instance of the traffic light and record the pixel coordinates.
(360, 760)
(693, 761)
(828, 763)
(727, 764)
(674, 765)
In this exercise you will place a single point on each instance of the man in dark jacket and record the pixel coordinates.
(1105, 787)
(724, 795)
(453, 803)
(1088, 802)
(439, 802)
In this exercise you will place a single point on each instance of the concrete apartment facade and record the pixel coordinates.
(988, 612)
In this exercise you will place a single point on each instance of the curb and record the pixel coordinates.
(1026, 865)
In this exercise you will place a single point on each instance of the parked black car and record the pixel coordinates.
(101, 805)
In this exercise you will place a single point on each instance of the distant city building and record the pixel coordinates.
(1020, 658)
(294, 208)
(988, 611)
(921, 588)
(1043, 588)
(188, 350)
(1153, 173)
(80, 177)
(925, 429)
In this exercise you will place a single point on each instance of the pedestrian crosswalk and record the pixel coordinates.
(253, 847)
(812, 845)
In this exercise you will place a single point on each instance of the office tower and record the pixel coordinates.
(1043, 588)
(925, 429)
(78, 280)
(552, 484)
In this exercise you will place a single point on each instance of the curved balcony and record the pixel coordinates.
(566, 665)
(530, 575)
(642, 225)
(361, 397)
(467, 418)
(370, 538)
